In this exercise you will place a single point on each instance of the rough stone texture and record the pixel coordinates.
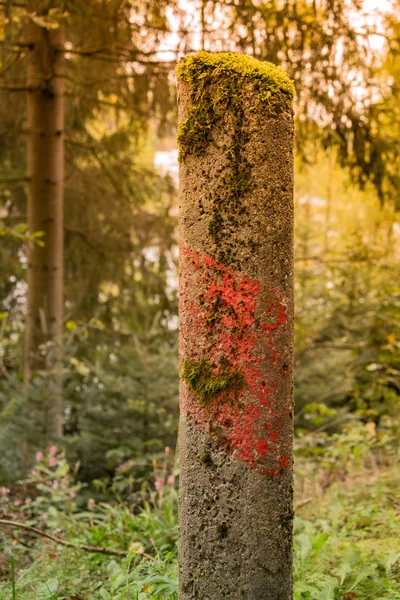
(236, 356)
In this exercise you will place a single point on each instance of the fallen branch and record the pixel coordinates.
(302, 503)
(38, 532)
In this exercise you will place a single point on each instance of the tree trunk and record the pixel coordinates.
(45, 172)
(236, 336)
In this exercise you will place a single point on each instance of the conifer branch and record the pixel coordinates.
(7, 180)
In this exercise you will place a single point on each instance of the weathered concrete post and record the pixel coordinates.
(236, 340)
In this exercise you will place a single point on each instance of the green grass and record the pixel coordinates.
(346, 547)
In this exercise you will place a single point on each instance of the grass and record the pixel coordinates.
(346, 546)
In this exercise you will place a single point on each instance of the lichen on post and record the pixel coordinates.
(236, 328)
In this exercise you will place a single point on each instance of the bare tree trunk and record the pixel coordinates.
(236, 328)
(45, 172)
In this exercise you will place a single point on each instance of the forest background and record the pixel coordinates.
(111, 480)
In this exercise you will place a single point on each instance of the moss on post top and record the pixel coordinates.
(228, 99)
(219, 85)
(268, 78)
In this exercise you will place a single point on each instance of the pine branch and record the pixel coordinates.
(86, 239)
(15, 4)
(16, 46)
(7, 180)
(48, 536)
(15, 88)
(93, 150)
(105, 54)
(11, 132)
(118, 58)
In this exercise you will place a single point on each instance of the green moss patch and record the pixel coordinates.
(211, 383)
(272, 76)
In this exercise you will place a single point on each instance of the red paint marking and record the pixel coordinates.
(218, 323)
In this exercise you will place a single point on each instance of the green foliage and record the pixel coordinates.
(332, 107)
(147, 530)
(351, 452)
(350, 549)
(119, 244)
(347, 321)
(123, 404)
(120, 406)
(155, 580)
(346, 542)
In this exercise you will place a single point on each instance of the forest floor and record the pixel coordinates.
(347, 542)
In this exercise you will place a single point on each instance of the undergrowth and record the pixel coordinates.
(346, 538)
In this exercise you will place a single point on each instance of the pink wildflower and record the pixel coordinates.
(39, 456)
(91, 503)
(53, 450)
(159, 483)
(4, 491)
(52, 461)
(171, 480)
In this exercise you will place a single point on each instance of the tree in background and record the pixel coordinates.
(45, 207)
(326, 46)
(117, 223)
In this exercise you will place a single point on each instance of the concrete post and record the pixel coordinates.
(236, 340)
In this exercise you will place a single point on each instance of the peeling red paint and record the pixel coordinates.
(224, 321)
